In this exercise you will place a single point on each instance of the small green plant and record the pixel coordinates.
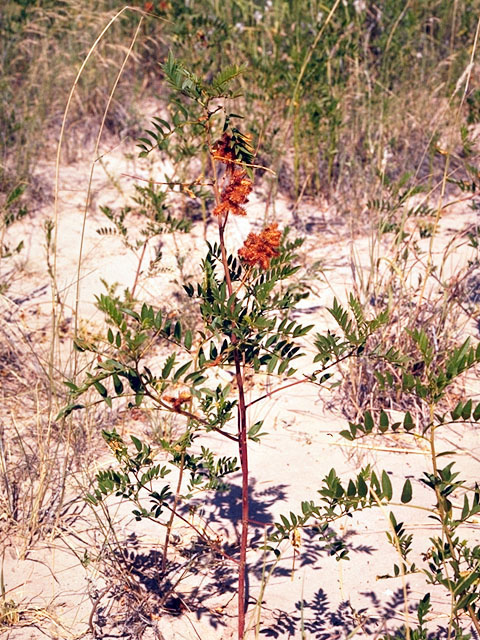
(11, 210)
(9, 610)
(151, 207)
(450, 560)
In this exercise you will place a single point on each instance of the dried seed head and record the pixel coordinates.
(296, 538)
(177, 402)
(260, 249)
(223, 151)
(234, 195)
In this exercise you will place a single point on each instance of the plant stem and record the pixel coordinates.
(243, 450)
(243, 453)
(137, 274)
(242, 429)
(306, 379)
(172, 515)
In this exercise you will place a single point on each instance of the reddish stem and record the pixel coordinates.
(243, 450)
(242, 447)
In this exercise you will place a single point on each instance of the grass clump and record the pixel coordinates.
(334, 90)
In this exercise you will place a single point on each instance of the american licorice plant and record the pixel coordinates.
(244, 325)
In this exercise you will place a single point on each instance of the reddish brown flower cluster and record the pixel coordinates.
(234, 195)
(223, 151)
(239, 186)
(260, 249)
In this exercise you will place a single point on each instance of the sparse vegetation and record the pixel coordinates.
(366, 110)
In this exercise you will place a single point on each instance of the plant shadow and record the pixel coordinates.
(317, 619)
(200, 579)
(200, 576)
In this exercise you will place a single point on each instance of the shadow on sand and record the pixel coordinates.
(201, 579)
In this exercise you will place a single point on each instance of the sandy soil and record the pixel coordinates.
(71, 582)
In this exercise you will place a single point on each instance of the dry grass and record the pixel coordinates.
(381, 135)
